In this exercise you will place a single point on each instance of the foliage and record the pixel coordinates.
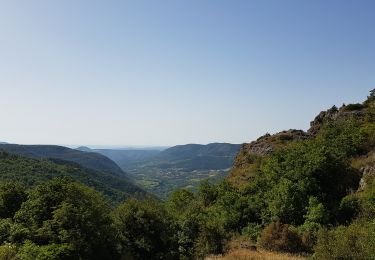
(65, 212)
(350, 207)
(252, 231)
(353, 107)
(8, 252)
(12, 195)
(144, 230)
(316, 215)
(356, 241)
(210, 238)
(45, 252)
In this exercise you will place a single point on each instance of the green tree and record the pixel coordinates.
(207, 193)
(145, 231)
(12, 195)
(316, 215)
(64, 212)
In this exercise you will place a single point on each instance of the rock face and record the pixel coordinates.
(331, 115)
(266, 144)
(368, 173)
(324, 116)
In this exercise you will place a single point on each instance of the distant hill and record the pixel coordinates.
(89, 160)
(199, 157)
(124, 157)
(32, 172)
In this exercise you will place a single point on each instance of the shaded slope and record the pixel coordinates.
(35, 171)
(124, 158)
(89, 160)
(198, 157)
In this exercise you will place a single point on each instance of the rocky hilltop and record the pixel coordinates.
(250, 155)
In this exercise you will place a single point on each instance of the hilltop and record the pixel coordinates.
(251, 154)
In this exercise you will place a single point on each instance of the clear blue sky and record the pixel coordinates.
(174, 72)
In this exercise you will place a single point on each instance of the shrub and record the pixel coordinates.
(353, 107)
(281, 237)
(349, 208)
(252, 231)
(46, 252)
(316, 214)
(8, 252)
(210, 239)
(356, 241)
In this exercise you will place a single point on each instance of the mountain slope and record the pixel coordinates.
(35, 171)
(89, 160)
(124, 157)
(198, 157)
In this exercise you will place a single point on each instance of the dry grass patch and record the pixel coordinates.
(246, 254)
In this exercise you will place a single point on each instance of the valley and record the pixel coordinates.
(183, 166)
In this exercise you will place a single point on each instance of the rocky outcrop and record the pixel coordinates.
(333, 114)
(266, 144)
(368, 173)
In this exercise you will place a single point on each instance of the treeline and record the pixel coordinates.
(63, 219)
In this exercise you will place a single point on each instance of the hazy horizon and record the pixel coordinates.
(163, 73)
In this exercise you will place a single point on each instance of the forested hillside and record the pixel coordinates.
(31, 172)
(89, 160)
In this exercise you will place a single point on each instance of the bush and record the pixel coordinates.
(210, 239)
(8, 252)
(252, 231)
(349, 209)
(281, 237)
(356, 241)
(47, 252)
(353, 107)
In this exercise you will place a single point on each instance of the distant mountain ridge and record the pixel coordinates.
(89, 160)
(123, 157)
(212, 156)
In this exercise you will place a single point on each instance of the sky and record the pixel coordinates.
(87, 72)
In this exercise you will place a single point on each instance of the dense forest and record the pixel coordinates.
(309, 193)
